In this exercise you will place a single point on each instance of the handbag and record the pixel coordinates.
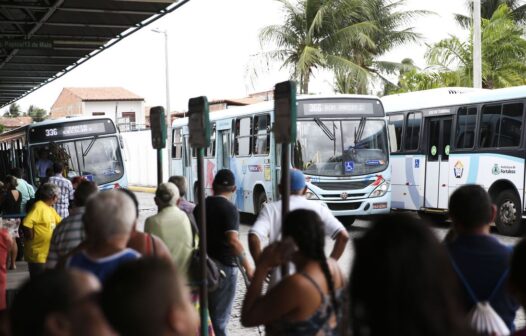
(213, 274)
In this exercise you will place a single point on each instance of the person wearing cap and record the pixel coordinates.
(224, 246)
(171, 225)
(267, 227)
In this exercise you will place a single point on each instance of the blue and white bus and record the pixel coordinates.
(342, 147)
(86, 147)
(445, 138)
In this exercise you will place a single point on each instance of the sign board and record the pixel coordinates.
(158, 127)
(26, 44)
(285, 112)
(199, 122)
(70, 129)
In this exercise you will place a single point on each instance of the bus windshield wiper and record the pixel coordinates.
(325, 129)
(84, 153)
(359, 133)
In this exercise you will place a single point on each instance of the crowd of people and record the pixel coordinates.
(92, 272)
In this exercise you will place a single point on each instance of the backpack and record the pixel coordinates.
(482, 317)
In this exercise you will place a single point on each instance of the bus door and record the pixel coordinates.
(438, 133)
(187, 166)
(223, 150)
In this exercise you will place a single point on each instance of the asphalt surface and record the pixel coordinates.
(359, 227)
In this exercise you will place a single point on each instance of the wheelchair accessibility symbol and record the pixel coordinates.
(349, 166)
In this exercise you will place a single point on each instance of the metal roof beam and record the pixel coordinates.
(65, 24)
(10, 5)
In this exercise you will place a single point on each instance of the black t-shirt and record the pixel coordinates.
(221, 217)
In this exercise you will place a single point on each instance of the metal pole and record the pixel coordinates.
(285, 191)
(159, 166)
(203, 291)
(168, 111)
(477, 46)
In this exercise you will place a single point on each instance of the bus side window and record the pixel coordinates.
(412, 130)
(261, 134)
(466, 123)
(177, 149)
(511, 124)
(490, 126)
(243, 137)
(396, 123)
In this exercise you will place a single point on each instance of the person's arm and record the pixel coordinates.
(334, 229)
(30, 190)
(238, 250)
(340, 243)
(254, 245)
(261, 309)
(260, 229)
(148, 226)
(28, 224)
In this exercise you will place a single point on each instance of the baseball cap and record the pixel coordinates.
(166, 192)
(297, 180)
(225, 177)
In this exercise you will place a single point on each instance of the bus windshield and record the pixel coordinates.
(330, 147)
(96, 158)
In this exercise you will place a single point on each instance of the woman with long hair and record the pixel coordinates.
(306, 302)
(402, 282)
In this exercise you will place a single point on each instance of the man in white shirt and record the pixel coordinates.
(267, 227)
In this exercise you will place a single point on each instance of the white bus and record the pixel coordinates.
(445, 138)
(342, 147)
(89, 147)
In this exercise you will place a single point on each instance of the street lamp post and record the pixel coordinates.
(167, 83)
(477, 46)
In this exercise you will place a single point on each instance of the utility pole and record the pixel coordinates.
(167, 84)
(477, 46)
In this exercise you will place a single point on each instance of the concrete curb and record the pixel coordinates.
(150, 190)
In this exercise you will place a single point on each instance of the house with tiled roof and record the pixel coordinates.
(121, 105)
(253, 98)
(12, 123)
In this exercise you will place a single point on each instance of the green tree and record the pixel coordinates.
(392, 31)
(503, 54)
(313, 35)
(488, 7)
(13, 112)
(36, 113)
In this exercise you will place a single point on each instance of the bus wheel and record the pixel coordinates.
(509, 217)
(259, 202)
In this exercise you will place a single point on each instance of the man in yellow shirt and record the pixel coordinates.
(38, 228)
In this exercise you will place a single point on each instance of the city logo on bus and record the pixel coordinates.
(458, 170)
(344, 195)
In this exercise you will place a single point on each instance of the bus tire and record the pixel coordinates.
(509, 215)
(259, 202)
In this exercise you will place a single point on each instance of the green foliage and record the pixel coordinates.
(503, 54)
(13, 112)
(343, 36)
(36, 113)
(488, 7)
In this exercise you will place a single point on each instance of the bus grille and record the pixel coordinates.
(340, 206)
(355, 185)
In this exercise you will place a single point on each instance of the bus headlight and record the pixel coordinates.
(311, 196)
(380, 190)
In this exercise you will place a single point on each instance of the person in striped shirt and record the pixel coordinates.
(66, 190)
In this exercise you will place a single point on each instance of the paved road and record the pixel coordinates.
(359, 227)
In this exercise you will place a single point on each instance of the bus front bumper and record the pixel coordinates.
(361, 207)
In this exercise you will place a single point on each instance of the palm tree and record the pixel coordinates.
(312, 36)
(488, 7)
(389, 20)
(503, 54)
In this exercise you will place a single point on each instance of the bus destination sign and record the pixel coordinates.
(339, 107)
(69, 130)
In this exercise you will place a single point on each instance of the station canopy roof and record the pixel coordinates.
(41, 40)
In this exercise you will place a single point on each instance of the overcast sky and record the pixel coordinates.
(211, 44)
